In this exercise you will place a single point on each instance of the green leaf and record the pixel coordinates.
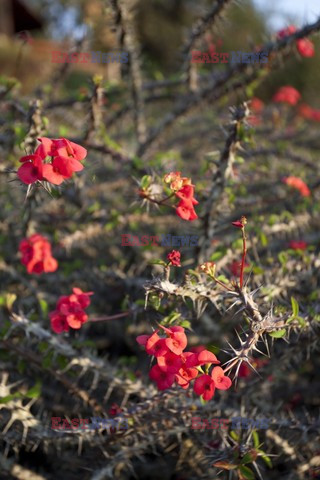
(255, 437)
(7, 399)
(295, 307)
(35, 391)
(263, 239)
(278, 333)
(44, 307)
(158, 262)
(234, 435)
(223, 279)
(265, 458)
(186, 324)
(246, 459)
(246, 472)
(145, 181)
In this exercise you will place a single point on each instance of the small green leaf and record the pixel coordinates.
(145, 182)
(255, 437)
(295, 307)
(158, 262)
(35, 391)
(246, 459)
(263, 239)
(234, 435)
(185, 324)
(265, 458)
(246, 472)
(278, 333)
(44, 307)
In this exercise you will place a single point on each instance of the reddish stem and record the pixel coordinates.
(244, 252)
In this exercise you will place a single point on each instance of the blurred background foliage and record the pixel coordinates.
(161, 28)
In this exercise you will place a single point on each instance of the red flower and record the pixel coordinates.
(305, 111)
(164, 379)
(36, 254)
(156, 346)
(142, 339)
(59, 322)
(81, 297)
(305, 47)
(286, 31)
(287, 95)
(220, 380)
(204, 386)
(174, 258)
(298, 184)
(298, 245)
(170, 362)
(186, 193)
(256, 105)
(235, 267)
(185, 375)
(177, 342)
(70, 311)
(32, 169)
(186, 211)
(64, 162)
(240, 223)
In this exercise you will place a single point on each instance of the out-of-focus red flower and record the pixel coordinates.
(245, 371)
(69, 312)
(36, 254)
(305, 47)
(204, 386)
(298, 184)
(286, 31)
(256, 105)
(305, 111)
(174, 258)
(235, 267)
(288, 95)
(240, 223)
(114, 410)
(197, 349)
(298, 245)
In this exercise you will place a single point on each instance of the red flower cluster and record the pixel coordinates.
(36, 254)
(65, 160)
(304, 46)
(185, 191)
(174, 258)
(70, 312)
(298, 184)
(287, 95)
(308, 112)
(176, 365)
(298, 245)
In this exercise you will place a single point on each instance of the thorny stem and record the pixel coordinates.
(244, 252)
(160, 202)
